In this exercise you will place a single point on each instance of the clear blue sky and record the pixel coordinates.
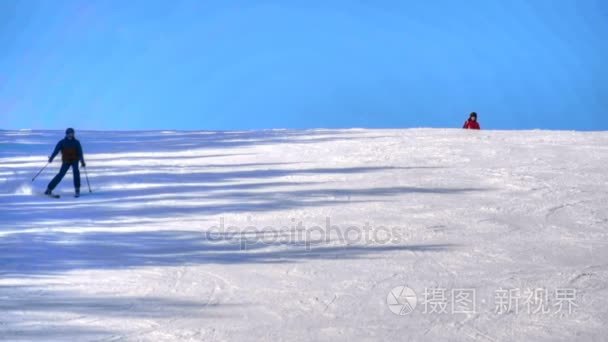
(114, 64)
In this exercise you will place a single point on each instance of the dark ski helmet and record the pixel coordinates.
(69, 131)
(473, 115)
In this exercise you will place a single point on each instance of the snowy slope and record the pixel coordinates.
(145, 256)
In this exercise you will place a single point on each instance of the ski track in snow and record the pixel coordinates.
(140, 259)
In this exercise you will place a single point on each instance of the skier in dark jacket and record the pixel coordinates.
(472, 123)
(71, 154)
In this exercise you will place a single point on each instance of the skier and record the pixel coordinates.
(472, 123)
(71, 154)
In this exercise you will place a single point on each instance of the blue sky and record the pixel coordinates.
(113, 64)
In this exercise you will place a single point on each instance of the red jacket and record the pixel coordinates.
(471, 124)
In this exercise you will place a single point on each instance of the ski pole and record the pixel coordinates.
(39, 172)
(86, 175)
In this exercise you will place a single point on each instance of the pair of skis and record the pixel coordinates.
(58, 196)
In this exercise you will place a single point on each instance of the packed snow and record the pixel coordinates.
(223, 236)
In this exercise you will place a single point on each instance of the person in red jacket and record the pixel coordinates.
(472, 122)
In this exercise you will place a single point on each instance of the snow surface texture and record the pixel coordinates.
(144, 257)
